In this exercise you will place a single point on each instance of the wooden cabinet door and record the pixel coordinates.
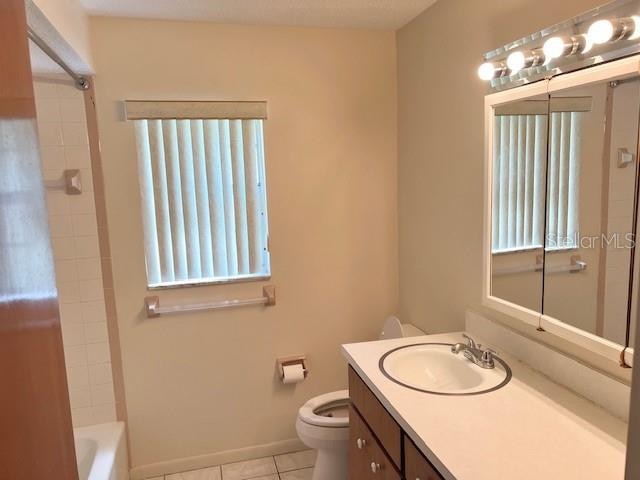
(380, 422)
(416, 466)
(367, 460)
(36, 438)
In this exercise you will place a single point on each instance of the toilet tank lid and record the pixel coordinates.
(393, 328)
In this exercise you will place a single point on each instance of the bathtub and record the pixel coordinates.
(101, 452)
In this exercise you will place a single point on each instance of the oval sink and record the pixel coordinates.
(433, 368)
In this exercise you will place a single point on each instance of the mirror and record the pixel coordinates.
(518, 201)
(591, 184)
(563, 209)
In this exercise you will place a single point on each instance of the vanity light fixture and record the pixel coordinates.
(611, 31)
(557, 47)
(489, 70)
(516, 61)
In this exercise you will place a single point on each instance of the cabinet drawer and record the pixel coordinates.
(367, 460)
(381, 423)
(416, 466)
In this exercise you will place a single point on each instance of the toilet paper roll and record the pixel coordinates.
(292, 373)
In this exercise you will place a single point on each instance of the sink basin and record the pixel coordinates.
(433, 368)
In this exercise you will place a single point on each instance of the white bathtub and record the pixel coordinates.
(101, 452)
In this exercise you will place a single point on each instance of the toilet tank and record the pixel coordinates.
(393, 328)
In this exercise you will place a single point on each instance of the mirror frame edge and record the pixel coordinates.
(621, 68)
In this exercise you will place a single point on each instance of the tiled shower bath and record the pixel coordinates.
(64, 144)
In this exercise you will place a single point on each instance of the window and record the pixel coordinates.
(522, 163)
(202, 184)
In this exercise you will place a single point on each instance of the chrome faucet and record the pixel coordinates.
(474, 352)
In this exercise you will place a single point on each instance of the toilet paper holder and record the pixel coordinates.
(292, 360)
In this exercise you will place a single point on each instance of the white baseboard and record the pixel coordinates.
(211, 459)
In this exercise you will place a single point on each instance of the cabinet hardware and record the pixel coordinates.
(375, 467)
(361, 443)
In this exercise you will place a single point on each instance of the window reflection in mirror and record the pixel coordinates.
(591, 179)
(518, 201)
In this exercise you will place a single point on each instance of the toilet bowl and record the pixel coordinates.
(323, 422)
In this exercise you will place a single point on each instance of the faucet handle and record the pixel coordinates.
(470, 341)
(487, 356)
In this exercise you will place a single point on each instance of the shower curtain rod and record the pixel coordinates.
(81, 81)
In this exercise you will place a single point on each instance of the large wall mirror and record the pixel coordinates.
(562, 207)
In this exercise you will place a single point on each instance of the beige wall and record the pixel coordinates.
(441, 148)
(202, 383)
(71, 23)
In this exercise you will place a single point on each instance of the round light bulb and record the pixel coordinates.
(600, 32)
(515, 62)
(636, 27)
(553, 48)
(486, 71)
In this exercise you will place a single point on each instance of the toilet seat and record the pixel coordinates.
(310, 414)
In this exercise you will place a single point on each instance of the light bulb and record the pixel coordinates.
(516, 62)
(600, 31)
(555, 47)
(636, 27)
(486, 71)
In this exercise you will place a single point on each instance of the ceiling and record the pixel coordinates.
(379, 14)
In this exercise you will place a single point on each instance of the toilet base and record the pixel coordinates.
(331, 465)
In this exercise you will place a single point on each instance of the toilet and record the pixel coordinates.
(323, 422)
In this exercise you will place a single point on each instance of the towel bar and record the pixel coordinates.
(153, 308)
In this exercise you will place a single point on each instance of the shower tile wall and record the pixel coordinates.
(72, 218)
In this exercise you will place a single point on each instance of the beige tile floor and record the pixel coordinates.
(290, 466)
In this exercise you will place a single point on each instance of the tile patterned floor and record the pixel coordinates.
(290, 466)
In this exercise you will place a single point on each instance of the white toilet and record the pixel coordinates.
(323, 422)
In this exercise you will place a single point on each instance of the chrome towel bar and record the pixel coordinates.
(153, 308)
(576, 265)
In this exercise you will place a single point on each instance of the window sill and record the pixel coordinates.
(208, 282)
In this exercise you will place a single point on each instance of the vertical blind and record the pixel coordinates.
(203, 199)
(519, 153)
(518, 186)
(565, 138)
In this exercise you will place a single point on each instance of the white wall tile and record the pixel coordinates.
(94, 311)
(102, 394)
(91, 290)
(44, 90)
(73, 334)
(77, 157)
(72, 110)
(74, 133)
(80, 397)
(100, 373)
(87, 247)
(75, 355)
(50, 133)
(67, 90)
(98, 353)
(103, 413)
(53, 158)
(78, 377)
(85, 225)
(61, 225)
(66, 271)
(68, 292)
(82, 203)
(96, 332)
(58, 203)
(48, 110)
(71, 313)
(81, 416)
(88, 268)
(64, 145)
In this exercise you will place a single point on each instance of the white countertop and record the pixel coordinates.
(530, 429)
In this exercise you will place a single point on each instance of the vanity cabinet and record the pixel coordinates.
(378, 448)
